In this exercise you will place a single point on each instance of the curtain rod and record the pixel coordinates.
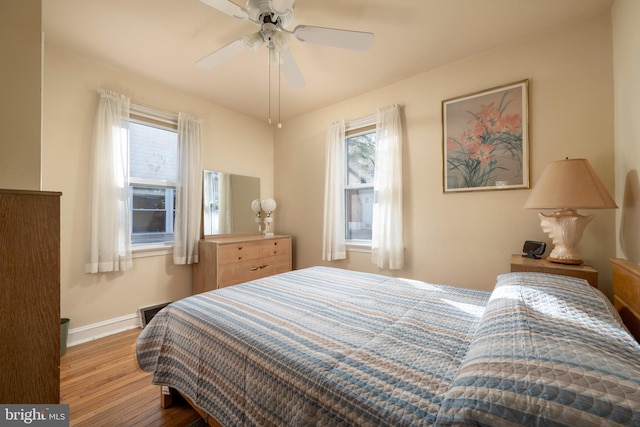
(154, 113)
(360, 122)
(364, 121)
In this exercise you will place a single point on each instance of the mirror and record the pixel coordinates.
(227, 203)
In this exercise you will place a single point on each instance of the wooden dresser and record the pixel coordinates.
(30, 302)
(226, 261)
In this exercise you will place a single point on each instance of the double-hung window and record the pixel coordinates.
(360, 147)
(146, 188)
(153, 173)
(363, 189)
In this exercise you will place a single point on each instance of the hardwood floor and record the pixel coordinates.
(104, 387)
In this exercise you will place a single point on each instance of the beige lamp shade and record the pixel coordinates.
(567, 185)
(572, 184)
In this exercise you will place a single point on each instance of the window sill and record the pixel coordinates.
(358, 246)
(143, 251)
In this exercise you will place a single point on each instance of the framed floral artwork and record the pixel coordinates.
(485, 139)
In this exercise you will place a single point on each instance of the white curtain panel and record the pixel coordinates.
(110, 225)
(188, 191)
(387, 247)
(333, 242)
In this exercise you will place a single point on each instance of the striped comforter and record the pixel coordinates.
(324, 347)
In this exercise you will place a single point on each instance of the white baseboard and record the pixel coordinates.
(94, 331)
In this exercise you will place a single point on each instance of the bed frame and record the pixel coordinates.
(626, 293)
(167, 394)
(626, 299)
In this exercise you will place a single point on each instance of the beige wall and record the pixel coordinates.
(231, 143)
(460, 239)
(20, 85)
(626, 63)
(466, 239)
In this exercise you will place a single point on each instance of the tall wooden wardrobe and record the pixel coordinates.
(29, 297)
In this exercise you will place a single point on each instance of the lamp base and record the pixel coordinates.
(267, 226)
(565, 228)
(565, 261)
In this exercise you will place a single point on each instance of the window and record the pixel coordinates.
(360, 146)
(363, 189)
(153, 171)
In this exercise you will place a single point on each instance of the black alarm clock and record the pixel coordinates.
(533, 249)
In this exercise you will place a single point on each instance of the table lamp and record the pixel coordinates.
(567, 185)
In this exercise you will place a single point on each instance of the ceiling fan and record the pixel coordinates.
(273, 16)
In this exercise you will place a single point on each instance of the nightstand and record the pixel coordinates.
(520, 263)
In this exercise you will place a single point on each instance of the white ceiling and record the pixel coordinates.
(162, 39)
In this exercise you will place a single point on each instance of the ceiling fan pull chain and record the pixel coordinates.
(279, 92)
(269, 88)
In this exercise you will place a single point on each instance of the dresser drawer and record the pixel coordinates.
(238, 272)
(275, 247)
(238, 252)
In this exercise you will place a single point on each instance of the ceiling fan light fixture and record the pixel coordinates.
(253, 42)
(281, 41)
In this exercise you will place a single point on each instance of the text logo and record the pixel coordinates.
(36, 415)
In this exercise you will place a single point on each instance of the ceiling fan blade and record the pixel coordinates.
(291, 71)
(345, 39)
(221, 55)
(228, 7)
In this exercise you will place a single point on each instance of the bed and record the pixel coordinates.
(324, 346)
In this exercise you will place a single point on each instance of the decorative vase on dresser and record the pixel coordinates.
(229, 260)
(30, 303)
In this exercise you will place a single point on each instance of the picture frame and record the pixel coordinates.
(485, 141)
